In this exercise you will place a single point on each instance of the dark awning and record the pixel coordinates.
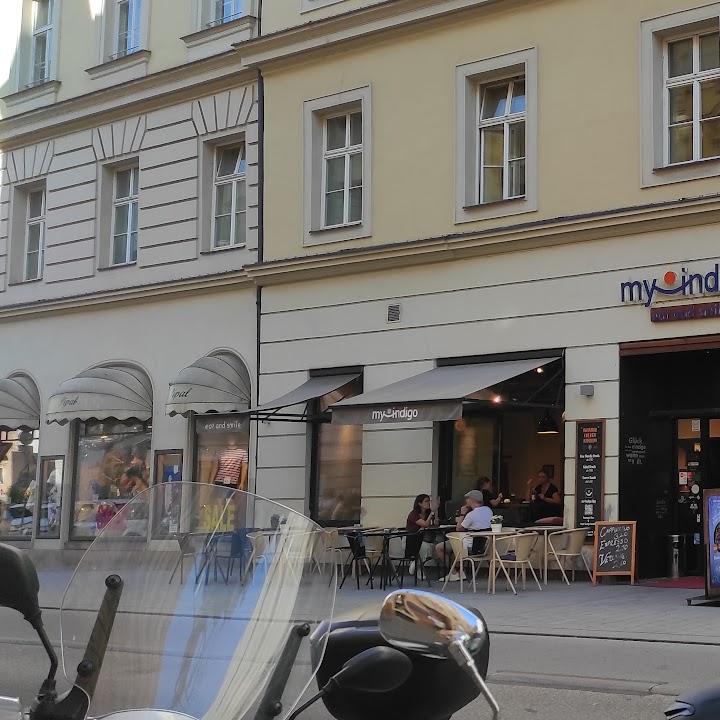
(435, 395)
(312, 389)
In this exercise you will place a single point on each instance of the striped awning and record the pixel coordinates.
(114, 390)
(19, 402)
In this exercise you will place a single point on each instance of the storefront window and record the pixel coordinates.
(222, 450)
(338, 466)
(18, 465)
(112, 467)
(473, 452)
(50, 484)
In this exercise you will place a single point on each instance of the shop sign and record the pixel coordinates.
(686, 284)
(222, 424)
(397, 413)
(589, 460)
(699, 311)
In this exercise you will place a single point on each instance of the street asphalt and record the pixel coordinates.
(611, 652)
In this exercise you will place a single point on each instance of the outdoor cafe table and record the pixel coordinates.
(494, 557)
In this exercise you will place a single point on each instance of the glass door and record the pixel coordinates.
(698, 468)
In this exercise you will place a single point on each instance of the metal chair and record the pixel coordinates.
(568, 544)
(230, 547)
(258, 545)
(462, 556)
(358, 557)
(410, 554)
(186, 550)
(522, 546)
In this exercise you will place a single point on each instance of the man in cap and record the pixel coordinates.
(474, 516)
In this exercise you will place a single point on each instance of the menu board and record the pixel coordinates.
(589, 486)
(711, 501)
(635, 450)
(614, 549)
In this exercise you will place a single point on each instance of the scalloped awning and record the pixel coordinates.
(19, 402)
(117, 390)
(216, 383)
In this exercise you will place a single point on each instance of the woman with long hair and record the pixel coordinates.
(421, 517)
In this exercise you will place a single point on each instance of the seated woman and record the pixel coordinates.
(545, 499)
(490, 497)
(422, 516)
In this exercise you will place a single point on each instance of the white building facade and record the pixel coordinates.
(129, 208)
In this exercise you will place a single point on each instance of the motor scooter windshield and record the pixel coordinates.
(214, 584)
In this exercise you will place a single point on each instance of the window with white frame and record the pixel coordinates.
(125, 216)
(127, 27)
(227, 10)
(34, 234)
(42, 31)
(501, 124)
(342, 169)
(692, 98)
(229, 204)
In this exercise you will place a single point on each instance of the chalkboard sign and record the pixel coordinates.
(614, 549)
(589, 487)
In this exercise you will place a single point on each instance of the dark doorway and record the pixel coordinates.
(669, 450)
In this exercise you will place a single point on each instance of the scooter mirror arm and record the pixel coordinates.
(459, 652)
(74, 704)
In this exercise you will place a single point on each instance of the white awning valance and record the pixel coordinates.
(19, 402)
(216, 383)
(118, 390)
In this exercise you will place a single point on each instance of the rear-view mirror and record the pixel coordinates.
(427, 623)
(19, 584)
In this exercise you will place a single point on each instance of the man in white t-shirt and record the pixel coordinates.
(474, 516)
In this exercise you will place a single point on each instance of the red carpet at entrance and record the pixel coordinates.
(683, 583)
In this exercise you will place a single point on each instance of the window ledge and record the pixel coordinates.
(494, 210)
(704, 162)
(506, 202)
(331, 228)
(682, 172)
(119, 266)
(48, 89)
(131, 60)
(24, 282)
(216, 32)
(337, 233)
(212, 251)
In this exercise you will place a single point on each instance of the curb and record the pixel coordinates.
(614, 686)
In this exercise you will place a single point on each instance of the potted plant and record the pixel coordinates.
(496, 523)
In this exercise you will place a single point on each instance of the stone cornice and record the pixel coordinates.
(670, 215)
(524, 236)
(159, 291)
(285, 45)
(188, 81)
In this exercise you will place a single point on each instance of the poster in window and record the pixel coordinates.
(712, 542)
(50, 491)
(168, 475)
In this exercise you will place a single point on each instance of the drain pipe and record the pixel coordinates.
(261, 231)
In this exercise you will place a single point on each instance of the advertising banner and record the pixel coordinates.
(711, 500)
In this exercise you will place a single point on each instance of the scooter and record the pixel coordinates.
(244, 630)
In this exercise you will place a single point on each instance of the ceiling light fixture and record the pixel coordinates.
(547, 425)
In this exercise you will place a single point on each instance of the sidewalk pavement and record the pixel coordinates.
(614, 611)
